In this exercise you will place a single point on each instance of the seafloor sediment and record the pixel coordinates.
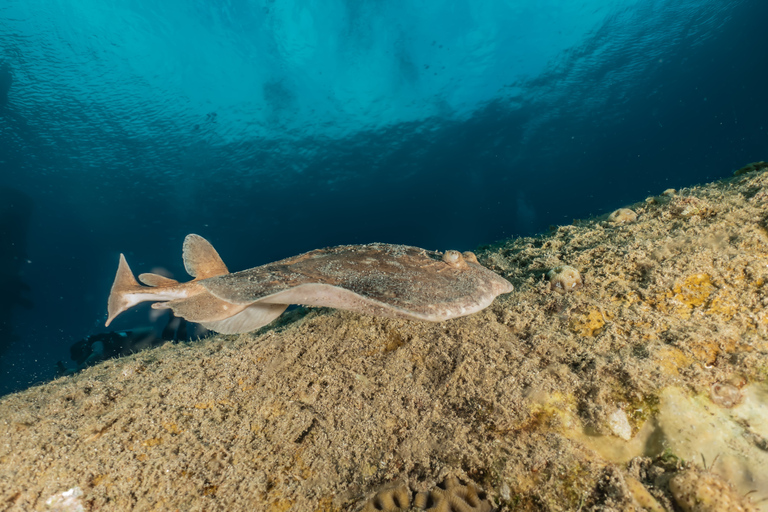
(608, 397)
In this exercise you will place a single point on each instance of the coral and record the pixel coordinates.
(390, 499)
(453, 496)
(754, 166)
(564, 278)
(726, 394)
(450, 496)
(690, 207)
(622, 216)
(695, 490)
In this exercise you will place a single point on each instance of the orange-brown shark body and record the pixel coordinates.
(379, 279)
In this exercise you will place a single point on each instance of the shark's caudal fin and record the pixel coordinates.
(125, 284)
(189, 300)
(200, 258)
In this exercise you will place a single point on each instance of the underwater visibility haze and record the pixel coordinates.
(276, 127)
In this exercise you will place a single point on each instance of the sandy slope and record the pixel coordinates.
(323, 409)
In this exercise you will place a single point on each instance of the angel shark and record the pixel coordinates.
(378, 279)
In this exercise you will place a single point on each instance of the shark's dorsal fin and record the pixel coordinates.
(200, 258)
(156, 280)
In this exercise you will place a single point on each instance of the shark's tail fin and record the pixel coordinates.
(124, 285)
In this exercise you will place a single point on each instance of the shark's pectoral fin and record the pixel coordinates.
(156, 280)
(200, 258)
(251, 318)
(222, 316)
(330, 296)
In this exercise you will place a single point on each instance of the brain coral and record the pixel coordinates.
(622, 216)
(390, 499)
(564, 278)
(695, 490)
(450, 496)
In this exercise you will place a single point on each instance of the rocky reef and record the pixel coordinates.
(643, 388)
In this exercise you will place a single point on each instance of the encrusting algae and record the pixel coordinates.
(596, 399)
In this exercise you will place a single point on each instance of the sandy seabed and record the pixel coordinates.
(611, 397)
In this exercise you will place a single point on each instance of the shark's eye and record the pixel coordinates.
(454, 259)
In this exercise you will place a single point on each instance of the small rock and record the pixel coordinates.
(619, 424)
(67, 501)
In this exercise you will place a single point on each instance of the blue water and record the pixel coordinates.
(274, 127)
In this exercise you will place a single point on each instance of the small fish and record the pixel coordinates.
(394, 281)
